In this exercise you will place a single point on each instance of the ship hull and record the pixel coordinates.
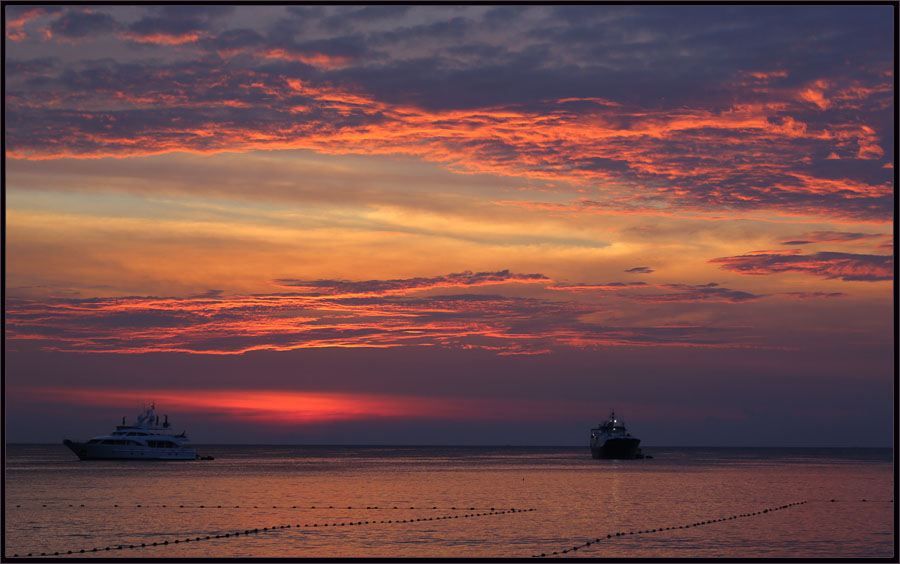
(86, 451)
(617, 448)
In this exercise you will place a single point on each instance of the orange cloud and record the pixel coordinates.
(162, 38)
(814, 94)
(321, 60)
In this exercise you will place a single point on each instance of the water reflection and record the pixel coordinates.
(422, 502)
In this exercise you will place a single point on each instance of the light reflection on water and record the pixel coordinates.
(574, 497)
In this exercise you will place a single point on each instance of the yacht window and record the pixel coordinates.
(161, 444)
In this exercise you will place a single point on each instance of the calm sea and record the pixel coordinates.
(468, 502)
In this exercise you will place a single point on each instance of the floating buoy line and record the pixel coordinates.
(257, 530)
(480, 512)
(319, 507)
(219, 506)
(620, 534)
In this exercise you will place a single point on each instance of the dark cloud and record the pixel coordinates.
(845, 266)
(813, 295)
(348, 18)
(461, 279)
(351, 47)
(710, 292)
(201, 12)
(609, 286)
(240, 38)
(31, 67)
(78, 24)
(830, 237)
(189, 21)
(640, 270)
(170, 26)
(454, 28)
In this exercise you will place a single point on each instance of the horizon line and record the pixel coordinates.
(387, 445)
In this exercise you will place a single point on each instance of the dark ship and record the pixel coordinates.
(612, 440)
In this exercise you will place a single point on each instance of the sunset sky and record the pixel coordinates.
(391, 224)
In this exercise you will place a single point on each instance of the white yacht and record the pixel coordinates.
(147, 439)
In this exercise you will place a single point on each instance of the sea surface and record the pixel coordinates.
(467, 502)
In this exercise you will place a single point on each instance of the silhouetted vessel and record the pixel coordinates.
(612, 440)
(145, 440)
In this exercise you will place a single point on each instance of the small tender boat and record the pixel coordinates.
(147, 439)
(612, 440)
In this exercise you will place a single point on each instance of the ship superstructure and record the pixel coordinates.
(612, 440)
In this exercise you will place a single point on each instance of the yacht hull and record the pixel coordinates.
(86, 451)
(626, 447)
